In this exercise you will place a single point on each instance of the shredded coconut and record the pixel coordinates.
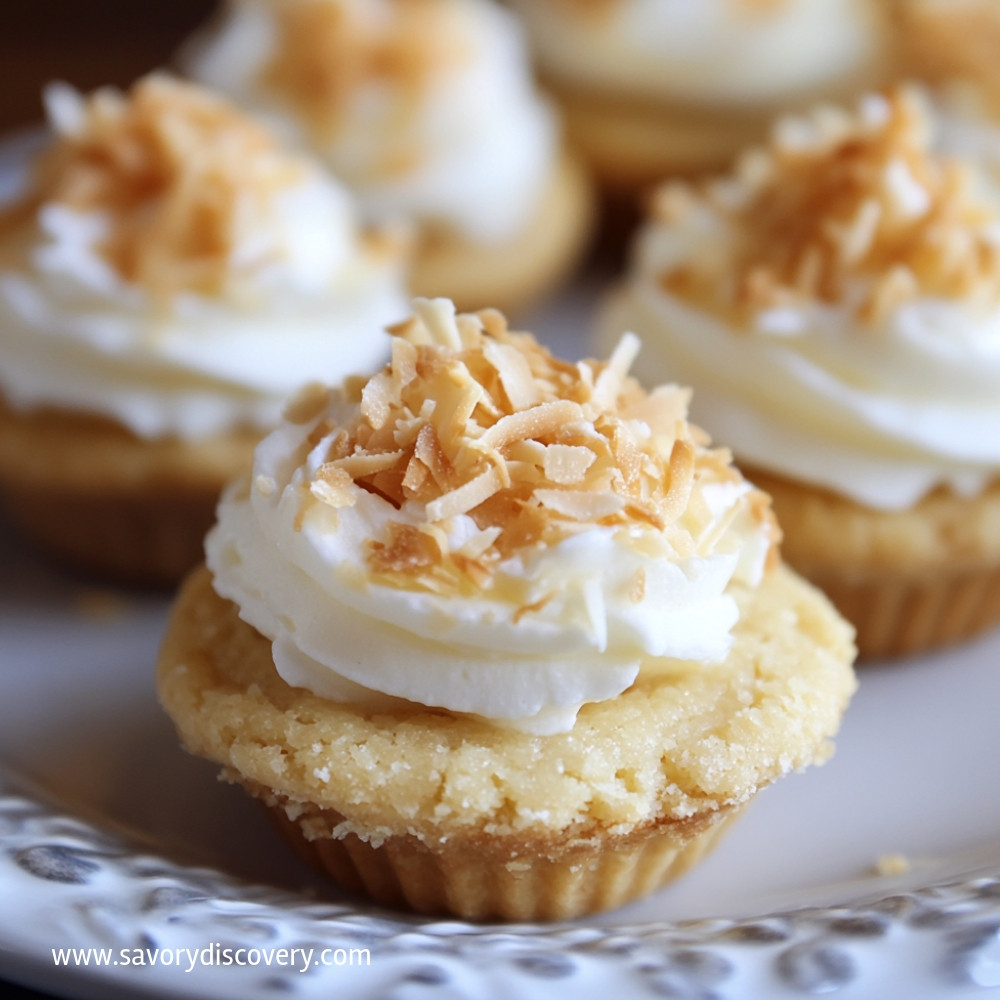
(169, 168)
(840, 208)
(532, 450)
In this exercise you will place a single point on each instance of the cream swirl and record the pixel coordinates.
(425, 108)
(835, 304)
(487, 530)
(732, 52)
(170, 267)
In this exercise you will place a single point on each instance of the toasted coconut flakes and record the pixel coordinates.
(628, 457)
(408, 330)
(681, 479)
(609, 382)
(515, 374)
(855, 238)
(325, 54)
(470, 328)
(525, 474)
(567, 464)
(407, 550)
(403, 365)
(533, 423)
(172, 169)
(333, 486)
(438, 318)
(475, 569)
(580, 505)
(429, 451)
(456, 395)
(367, 464)
(897, 287)
(377, 399)
(339, 447)
(467, 496)
(647, 513)
(839, 209)
(526, 451)
(307, 403)
(478, 544)
(417, 479)
(494, 322)
(530, 448)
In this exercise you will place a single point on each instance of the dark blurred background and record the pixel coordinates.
(85, 42)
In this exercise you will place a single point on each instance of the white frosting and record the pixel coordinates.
(301, 295)
(474, 151)
(297, 571)
(709, 51)
(881, 412)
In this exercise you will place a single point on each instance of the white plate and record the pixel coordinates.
(111, 837)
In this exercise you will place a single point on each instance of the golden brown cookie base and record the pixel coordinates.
(632, 143)
(112, 505)
(143, 540)
(631, 795)
(512, 275)
(452, 878)
(909, 580)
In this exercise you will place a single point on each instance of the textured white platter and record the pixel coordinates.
(111, 837)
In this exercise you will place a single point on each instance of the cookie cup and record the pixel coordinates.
(103, 501)
(631, 143)
(445, 814)
(910, 580)
(516, 272)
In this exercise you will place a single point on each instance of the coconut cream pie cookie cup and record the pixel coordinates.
(835, 303)
(651, 88)
(498, 635)
(168, 278)
(427, 110)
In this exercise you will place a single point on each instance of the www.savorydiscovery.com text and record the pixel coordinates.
(213, 955)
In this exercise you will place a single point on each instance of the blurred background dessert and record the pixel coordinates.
(169, 276)
(657, 87)
(834, 301)
(427, 109)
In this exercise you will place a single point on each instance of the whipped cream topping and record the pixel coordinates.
(730, 52)
(425, 108)
(836, 305)
(484, 529)
(169, 266)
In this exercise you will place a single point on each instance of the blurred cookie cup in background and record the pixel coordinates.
(169, 275)
(427, 110)
(500, 636)
(835, 303)
(654, 88)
